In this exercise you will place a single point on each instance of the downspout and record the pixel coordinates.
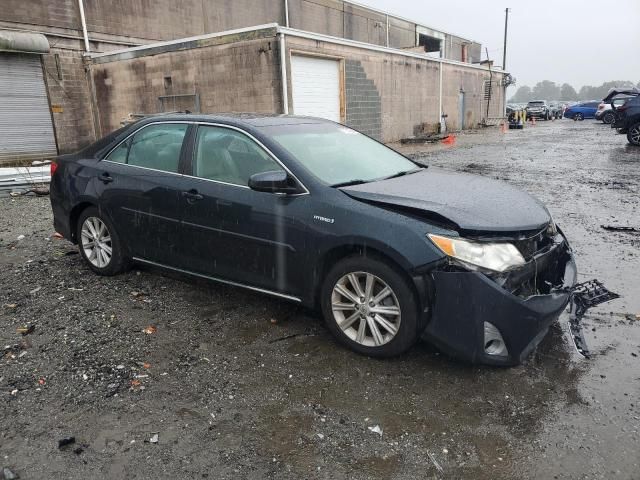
(387, 30)
(286, 13)
(85, 34)
(283, 75)
(440, 112)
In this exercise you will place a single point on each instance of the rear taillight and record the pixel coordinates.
(601, 106)
(54, 167)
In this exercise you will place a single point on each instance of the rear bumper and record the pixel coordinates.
(61, 217)
(464, 301)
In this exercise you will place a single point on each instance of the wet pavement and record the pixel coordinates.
(237, 385)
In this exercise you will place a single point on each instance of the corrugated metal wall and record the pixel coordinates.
(25, 121)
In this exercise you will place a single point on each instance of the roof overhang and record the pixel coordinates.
(262, 31)
(23, 42)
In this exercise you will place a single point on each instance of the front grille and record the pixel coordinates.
(546, 254)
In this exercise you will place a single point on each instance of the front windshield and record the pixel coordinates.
(339, 155)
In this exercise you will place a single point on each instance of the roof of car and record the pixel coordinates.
(249, 119)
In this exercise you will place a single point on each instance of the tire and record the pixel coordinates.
(91, 225)
(608, 118)
(579, 117)
(633, 134)
(402, 330)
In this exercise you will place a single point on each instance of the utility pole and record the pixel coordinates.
(504, 51)
(504, 61)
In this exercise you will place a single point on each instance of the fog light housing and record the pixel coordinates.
(493, 342)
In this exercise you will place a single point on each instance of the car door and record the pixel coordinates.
(139, 185)
(232, 232)
(590, 109)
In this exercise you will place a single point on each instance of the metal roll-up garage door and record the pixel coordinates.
(26, 130)
(315, 84)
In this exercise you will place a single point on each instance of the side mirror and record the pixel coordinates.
(274, 182)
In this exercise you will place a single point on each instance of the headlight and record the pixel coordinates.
(493, 256)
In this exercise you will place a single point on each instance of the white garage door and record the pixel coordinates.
(25, 120)
(316, 87)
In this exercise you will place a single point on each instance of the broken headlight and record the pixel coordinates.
(492, 256)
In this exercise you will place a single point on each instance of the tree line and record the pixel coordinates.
(548, 90)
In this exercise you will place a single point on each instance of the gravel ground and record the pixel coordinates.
(158, 376)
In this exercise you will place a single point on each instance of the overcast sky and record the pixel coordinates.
(582, 42)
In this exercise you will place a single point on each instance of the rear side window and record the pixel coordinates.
(157, 147)
(228, 156)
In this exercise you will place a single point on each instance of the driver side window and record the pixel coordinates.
(228, 156)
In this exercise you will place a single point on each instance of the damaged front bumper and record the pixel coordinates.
(469, 308)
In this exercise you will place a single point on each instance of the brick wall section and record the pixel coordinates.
(364, 108)
(68, 89)
(229, 78)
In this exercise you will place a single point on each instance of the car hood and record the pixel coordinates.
(471, 202)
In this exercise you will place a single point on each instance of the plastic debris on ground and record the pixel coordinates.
(150, 330)
(65, 442)
(26, 330)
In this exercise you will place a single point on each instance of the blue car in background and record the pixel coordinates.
(581, 111)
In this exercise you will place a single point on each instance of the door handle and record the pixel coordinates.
(106, 178)
(192, 195)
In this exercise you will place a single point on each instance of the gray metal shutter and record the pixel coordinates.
(25, 121)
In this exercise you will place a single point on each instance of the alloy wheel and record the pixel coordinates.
(634, 135)
(96, 242)
(366, 309)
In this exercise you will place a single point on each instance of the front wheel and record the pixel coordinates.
(370, 307)
(99, 243)
(579, 117)
(633, 134)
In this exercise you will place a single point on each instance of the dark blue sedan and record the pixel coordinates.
(314, 212)
(581, 111)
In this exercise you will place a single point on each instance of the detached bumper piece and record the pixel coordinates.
(583, 297)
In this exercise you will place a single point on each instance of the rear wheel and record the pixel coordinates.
(633, 135)
(99, 243)
(370, 307)
(608, 118)
(579, 117)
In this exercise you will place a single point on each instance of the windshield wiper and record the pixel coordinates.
(349, 183)
(402, 174)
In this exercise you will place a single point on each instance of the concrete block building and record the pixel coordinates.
(74, 70)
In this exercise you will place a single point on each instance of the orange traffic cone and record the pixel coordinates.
(449, 140)
(533, 119)
(504, 127)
